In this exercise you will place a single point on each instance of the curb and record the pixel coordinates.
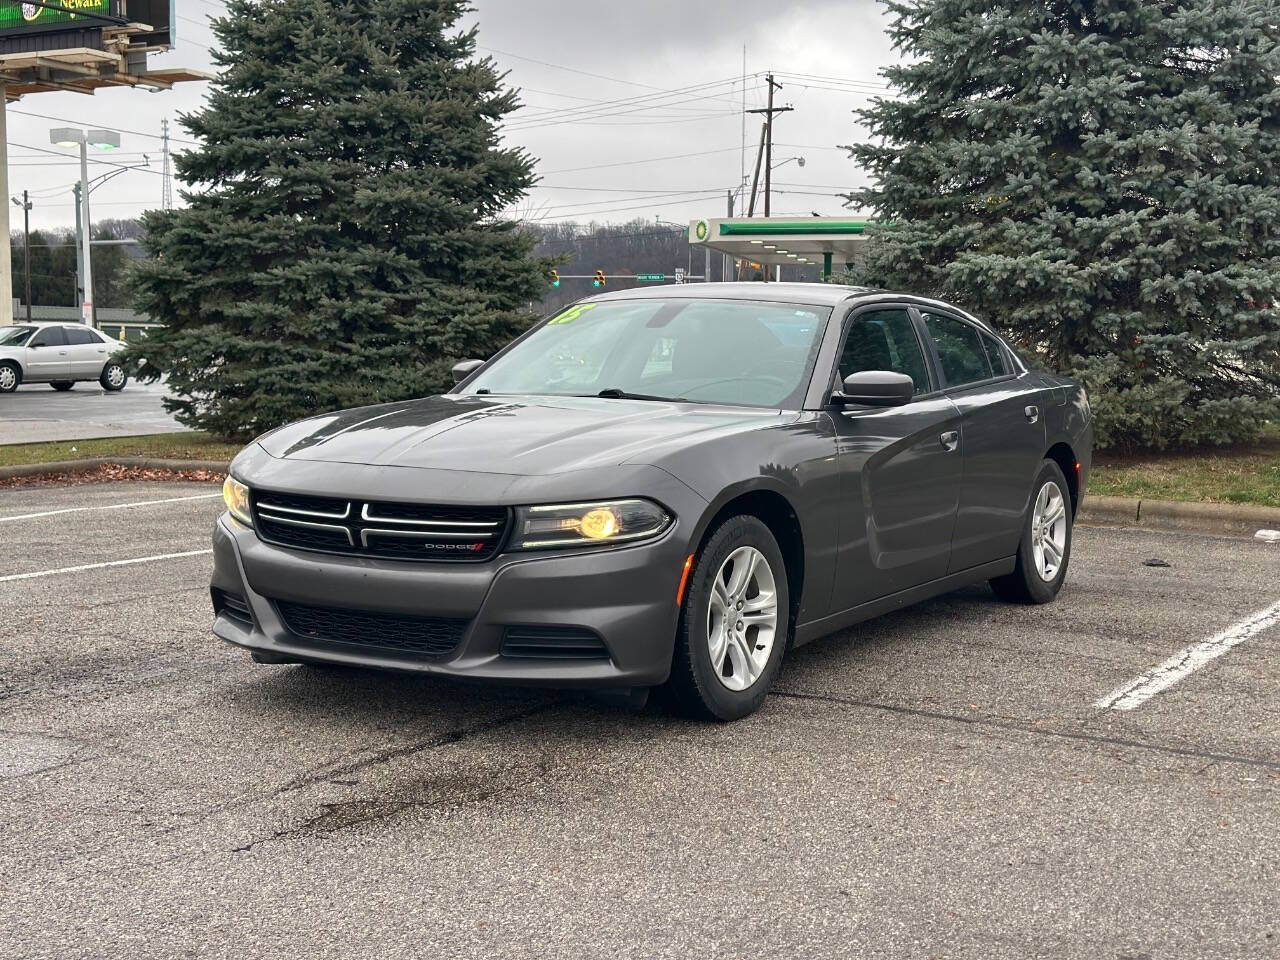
(1235, 519)
(62, 467)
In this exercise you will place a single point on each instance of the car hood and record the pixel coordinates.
(509, 435)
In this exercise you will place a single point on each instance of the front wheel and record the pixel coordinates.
(62, 385)
(734, 623)
(1045, 548)
(113, 377)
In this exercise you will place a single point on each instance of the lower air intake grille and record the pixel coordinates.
(553, 643)
(232, 606)
(389, 632)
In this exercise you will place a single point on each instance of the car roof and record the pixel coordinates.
(809, 294)
(826, 294)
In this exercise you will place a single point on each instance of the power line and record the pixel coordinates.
(86, 123)
(629, 163)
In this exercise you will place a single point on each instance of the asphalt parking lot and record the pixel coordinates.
(36, 412)
(937, 783)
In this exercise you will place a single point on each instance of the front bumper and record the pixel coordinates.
(626, 595)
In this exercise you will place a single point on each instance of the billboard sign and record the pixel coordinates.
(18, 18)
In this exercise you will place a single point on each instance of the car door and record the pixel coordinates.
(46, 356)
(1002, 437)
(86, 353)
(900, 466)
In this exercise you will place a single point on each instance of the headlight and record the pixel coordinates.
(580, 524)
(236, 496)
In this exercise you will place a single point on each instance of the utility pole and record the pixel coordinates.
(26, 243)
(768, 112)
(166, 192)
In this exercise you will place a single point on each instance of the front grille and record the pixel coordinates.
(233, 606)
(374, 528)
(390, 632)
(553, 643)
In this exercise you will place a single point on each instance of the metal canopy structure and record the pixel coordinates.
(783, 241)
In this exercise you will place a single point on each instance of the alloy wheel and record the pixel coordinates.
(742, 618)
(1049, 531)
(8, 379)
(115, 375)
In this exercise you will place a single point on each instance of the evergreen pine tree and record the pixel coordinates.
(346, 247)
(1101, 179)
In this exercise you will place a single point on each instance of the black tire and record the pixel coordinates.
(62, 385)
(694, 687)
(113, 377)
(1026, 584)
(10, 378)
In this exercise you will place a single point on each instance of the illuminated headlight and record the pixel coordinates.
(580, 524)
(236, 496)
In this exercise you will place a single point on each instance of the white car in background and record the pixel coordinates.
(59, 354)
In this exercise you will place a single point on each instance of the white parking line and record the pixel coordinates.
(99, 566)
(109, 506)
(1161, 677)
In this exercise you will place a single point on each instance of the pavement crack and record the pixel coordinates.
(1031, 728)
(445, 739)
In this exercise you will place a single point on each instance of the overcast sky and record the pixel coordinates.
(606, 95)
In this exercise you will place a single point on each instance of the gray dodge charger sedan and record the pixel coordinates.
(663, 487)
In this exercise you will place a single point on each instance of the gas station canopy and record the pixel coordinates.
(782, 241)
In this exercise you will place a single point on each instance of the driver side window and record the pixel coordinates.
(885, 340)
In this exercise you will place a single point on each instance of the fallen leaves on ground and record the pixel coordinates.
(113, 473)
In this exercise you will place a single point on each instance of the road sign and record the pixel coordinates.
(651, 277)
(679, 274)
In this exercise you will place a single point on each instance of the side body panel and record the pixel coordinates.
(48, 362)
(1002, 446)
(901, 487)
(794, 459)
(86, 360)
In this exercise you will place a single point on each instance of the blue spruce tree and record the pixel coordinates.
(1100, 179)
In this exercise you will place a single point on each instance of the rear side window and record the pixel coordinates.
(49, 337)
(996, 356)
(884, 340)
(79, 335)
(964, 359)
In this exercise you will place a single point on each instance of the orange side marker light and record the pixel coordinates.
(684, 580)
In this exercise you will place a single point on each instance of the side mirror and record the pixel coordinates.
(875, 388)
(465, 368)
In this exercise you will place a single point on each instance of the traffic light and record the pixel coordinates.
(555, 278)
(599, 281)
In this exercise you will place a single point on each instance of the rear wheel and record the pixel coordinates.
(734, 623)
(1045, 548)
(62, 384)
(10, 377)
(113, 377)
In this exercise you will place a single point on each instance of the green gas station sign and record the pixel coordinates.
(17, 18)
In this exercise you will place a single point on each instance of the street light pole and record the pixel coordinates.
(87, 308)
(26, 244)
(105, 140)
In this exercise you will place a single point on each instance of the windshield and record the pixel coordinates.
(738, 352)
(15, 336)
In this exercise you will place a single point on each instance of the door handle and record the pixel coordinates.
(1032, 413)
(950, 440)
